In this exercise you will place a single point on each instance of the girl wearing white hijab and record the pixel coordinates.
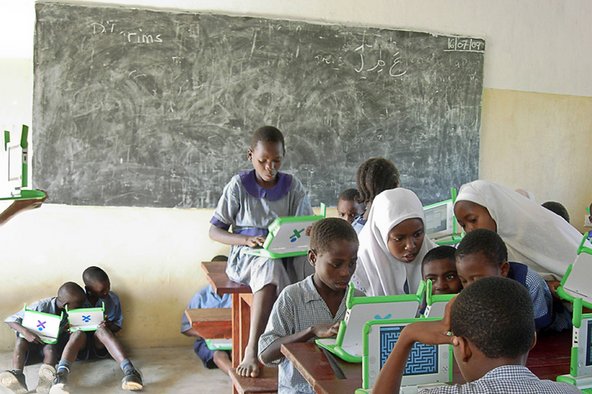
(534, 235)
(392, 245)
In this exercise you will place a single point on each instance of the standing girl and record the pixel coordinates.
(248, 205)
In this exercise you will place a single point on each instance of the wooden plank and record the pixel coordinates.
(211, 323)
(267, 382)
(216, 267)
(223, 285)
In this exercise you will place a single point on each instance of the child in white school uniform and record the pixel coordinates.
(313, 307)
(534, 235)
(248, 205)
(392, 245)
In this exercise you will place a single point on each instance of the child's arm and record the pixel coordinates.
(19, 206)
(429, 332)
(30, 336)
(225, 237)
(273, 351)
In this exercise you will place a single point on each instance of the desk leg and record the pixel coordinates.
(245, 301)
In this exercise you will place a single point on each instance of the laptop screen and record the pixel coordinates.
(422, 360)
(589, 343)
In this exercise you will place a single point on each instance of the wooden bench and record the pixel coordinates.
(241, 322)
(211, 323)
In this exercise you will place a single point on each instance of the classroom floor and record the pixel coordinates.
(164, 370)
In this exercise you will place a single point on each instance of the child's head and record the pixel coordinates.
(333, 252)
(266, 152)
(557, 208)
(471, 216)
(480, 254)
(374, 176)
(96, 282)
(439, 266)
(70, 294)
(348, 206)
(491, 320)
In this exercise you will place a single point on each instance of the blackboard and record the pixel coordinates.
(137, 107)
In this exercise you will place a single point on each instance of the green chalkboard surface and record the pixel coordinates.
(136, 107)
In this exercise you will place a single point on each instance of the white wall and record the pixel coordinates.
(153, 255)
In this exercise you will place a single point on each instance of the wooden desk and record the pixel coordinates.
(549, 358)
(211, 323)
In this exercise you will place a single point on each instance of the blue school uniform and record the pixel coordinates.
(45, 305)
(247, 208)
(205, 298)
(540, 294)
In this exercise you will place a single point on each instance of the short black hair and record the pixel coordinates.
(220, 257)
(94, 275)
(484, 241)
(557, 208)
(374, 176)
(349, 195)
(328, 230)
(268, 134)
(69, 291)
(439, 253)
(496, 315)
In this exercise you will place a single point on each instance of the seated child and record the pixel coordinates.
(533, 235)
(482, 253)
(439, 266)
(207, 298)
(348, 206)
(102, 342)
(250, 202)
(374, 176)
(491, 353)
(557, 208)
(314, 307)
(392, 245)
(29, 346)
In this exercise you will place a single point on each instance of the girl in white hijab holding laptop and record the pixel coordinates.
(392, 245)
(534, 235)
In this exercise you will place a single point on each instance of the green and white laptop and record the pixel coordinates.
(440, 223)
(86, 319)
(427, 365)
(348, 345)
(14, 169)
(219, 344)
(46, 325)
(576, 287)
(435, 303)
(287, 236)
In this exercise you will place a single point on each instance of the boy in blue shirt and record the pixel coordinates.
(207, 298)
(28, 344)
(490, 325)
(482, 253)
(103, 341)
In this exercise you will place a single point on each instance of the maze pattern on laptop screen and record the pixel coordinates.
(422, 360)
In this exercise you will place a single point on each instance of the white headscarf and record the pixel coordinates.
(378, 272)
(534, 235)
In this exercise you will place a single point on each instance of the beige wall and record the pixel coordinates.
(529, 139)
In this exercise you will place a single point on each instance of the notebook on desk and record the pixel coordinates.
(45, 325)
(86, 319)
(427, 365)
(287, 236)
(348, 345)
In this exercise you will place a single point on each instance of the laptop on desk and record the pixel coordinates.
(348, 345)
(287, 236)
(576, 287)
(435, 303)
(427, 365)
(46, 325)
(440, 223)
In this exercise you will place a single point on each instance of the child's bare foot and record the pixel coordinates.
(249, 367)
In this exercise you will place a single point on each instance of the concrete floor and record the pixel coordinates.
(164, 370)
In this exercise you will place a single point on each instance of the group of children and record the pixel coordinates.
(382, 249)
(508, 236)
(71, 346)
